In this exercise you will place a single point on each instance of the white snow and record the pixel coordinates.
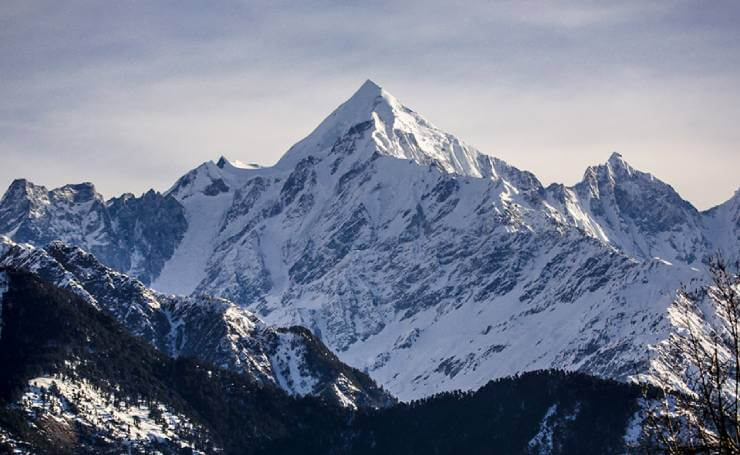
(241, 165)
(186, 268)
(343, 389)
(3, 290)
(28, 257)
(542, 441)
(79, 401)
(634, 427)
(246, 343)
(288, 364)
(175, 327)
(723, 227)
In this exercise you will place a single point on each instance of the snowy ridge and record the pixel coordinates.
(34, 260)
(210, 329)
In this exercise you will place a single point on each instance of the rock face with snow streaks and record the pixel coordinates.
(130, 234)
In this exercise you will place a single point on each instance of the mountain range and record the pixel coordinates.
(412, 256)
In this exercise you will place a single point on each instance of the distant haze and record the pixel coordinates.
(131, 95)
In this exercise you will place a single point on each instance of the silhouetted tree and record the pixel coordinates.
(703, 415)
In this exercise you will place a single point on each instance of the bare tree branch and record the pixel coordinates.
(701, 414)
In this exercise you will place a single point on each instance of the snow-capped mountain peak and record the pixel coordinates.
(80, 192)
(636, 212)
(358, 109)
(19, 188)
(617, 165)
(612, 173)
(374, 121)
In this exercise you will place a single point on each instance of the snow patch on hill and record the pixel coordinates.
(71, 402)
(3, 290)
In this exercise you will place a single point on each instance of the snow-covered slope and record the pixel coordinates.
(436, 267)
(210, 329)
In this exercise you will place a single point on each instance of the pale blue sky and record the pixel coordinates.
(130, 95)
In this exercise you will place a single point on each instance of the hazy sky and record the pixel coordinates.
(130, 95)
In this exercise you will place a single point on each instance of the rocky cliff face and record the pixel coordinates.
(130, 234)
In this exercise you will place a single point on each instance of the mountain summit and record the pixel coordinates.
(391, 129)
